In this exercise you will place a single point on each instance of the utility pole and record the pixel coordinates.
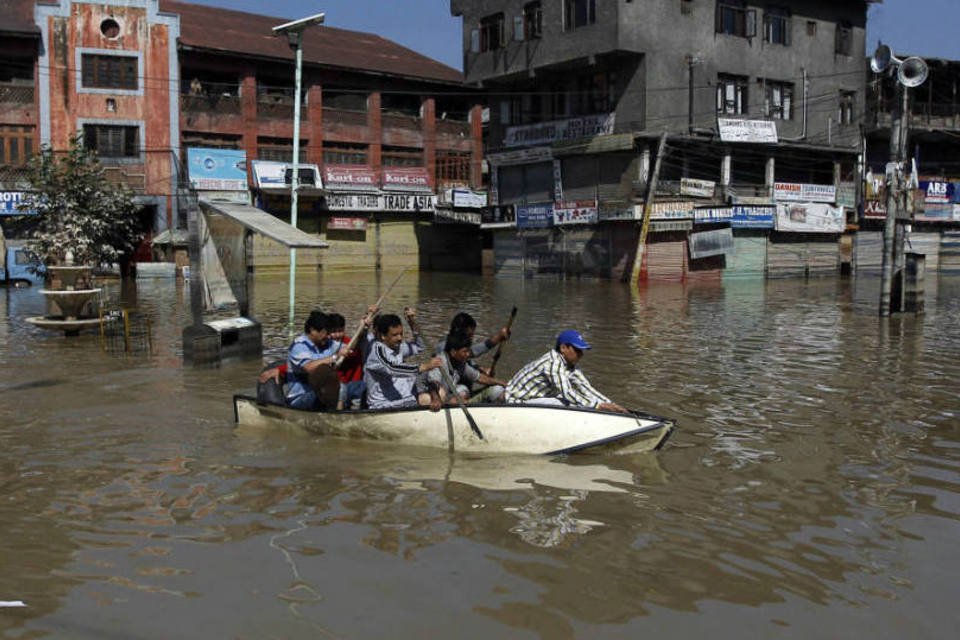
(647, 206)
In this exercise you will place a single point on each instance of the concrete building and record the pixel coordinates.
(165, 90)
(761, 102)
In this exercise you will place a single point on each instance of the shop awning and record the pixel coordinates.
(261, 222)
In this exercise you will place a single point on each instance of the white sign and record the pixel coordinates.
(584, 212)
(795, 192)
(465, 217)
(809, 217)
(269, 174)
(468, 199)
(759, 131)
(521, 156)
(668, 210)
(381, 202)
(560, 130)
(697, 188)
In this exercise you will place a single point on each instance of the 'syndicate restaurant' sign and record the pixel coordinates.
(560, 130)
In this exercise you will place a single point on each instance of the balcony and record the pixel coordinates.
(344, 117)
(923, 115)
(212, 104)
(454, 128)
(16, 94)
(401, 121)
(277, 103)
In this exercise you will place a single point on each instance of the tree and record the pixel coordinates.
(78, 210)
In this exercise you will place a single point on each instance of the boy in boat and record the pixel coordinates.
(431, 388)
(553, 379)
(464, 323)
(350, 368)
(390, 381)
(312, 383)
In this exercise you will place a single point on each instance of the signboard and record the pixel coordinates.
(521, 156)
(874, 210)
(406, 178)
(704, 244)
(217, 169)
(468, 199)
(458, 217)
(709, 215)
(795, 192)
(668, 210)
(938, 192)
(810, 217)
(697, 188)
(346, 175)
(9, 200)
(758, 131)
(347, 224)
(847, 195)
(557, 180)
(381, 202)
(580, 212)
(560, 130)
(268, 174)
(534, 216)
(240, 197)
(752, 217)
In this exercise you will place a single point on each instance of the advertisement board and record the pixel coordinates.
(796, 192)
(579, 212)
(468, 199)
(217, 169)
(752, 217)
(346, 224)
(668, 210)
(349, 176)
(381, 202)
(697, 188)
(534, 216)
(738, 130)
(560, 130)
(710, 215)
(406, 178)
(268, 174)
(874, 210)
(9, 201)
(810, 217)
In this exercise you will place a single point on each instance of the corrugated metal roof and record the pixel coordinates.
(262, 222)
(250, 34)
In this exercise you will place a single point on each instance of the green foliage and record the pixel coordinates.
(78, 210)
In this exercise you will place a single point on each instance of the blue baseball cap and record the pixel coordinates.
(573, 338)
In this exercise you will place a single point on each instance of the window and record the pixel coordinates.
(16, 145)
(532, 21)
(594, 94)
(811, 28)
(344, 153)
(112, 141)
(402, 157)
(686, 7)
(453, 167)
(579, 13)
(511, 110)
(844, 38)
(101, 71)
(778, 100)
(776, 26)
(734, 19)
(848, 102)
(732, 98)
(492, 36)
(279, 150)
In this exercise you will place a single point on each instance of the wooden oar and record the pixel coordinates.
(360, 329)
(453, 389)
(496, 356)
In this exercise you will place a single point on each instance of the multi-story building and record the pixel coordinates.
(761, 103)
(154, 85)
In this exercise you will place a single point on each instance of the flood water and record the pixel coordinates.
(812, 490)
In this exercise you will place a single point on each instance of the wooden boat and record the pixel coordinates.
(507, 428)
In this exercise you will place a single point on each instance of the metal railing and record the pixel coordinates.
(211, 103)
(344, 116)
(398, 121)
(16, 93)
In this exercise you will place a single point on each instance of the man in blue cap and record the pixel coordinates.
(553, 379)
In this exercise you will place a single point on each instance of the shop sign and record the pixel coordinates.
(468, 199)
(347, 224)
(935, 213)
(704, 244)
(579, 212)
(708, 215)
(268, 174)
(810, 217)
(534, 216)
(847, 195)
(795, 192)
(382, 202)
(874, 210)
(752, 217)
(697, 188)
(462, 217)
(560, 130)
(668, 210)
(350, 176)
(406, 178)
(614, 212)
(521, 156)
(558, 179)
(241, 197)
(9, 201)
(758, 131)
(217, 169)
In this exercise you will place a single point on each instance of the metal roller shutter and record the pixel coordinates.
(508, 250)
(580, 178)
(749, 257)
(823, 258)
(950, 252)
(926, 243)
(616, 171)
(665, 259)
(510, 185)
(786, 257)
(868, 252)
(539, 182)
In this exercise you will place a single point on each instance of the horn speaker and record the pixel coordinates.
(913, 72)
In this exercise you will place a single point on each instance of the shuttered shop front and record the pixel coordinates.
(868, 252)
(749, 257)
(823, 257)
(786, 256)
(526, 183)
(508, 250)
(927, 244)
(665, 257)
(950, 252)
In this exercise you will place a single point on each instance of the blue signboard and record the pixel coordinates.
(753, 217)
(9, 201)
(217, 169)
(535, 216)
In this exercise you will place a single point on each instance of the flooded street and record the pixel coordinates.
(812, 490)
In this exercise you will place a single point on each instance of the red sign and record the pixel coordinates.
(345, 174)
(874, 210)
(406, 178)
(347, 224)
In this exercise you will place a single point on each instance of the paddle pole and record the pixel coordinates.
(496, 356)
(453, 389)
(356, 336)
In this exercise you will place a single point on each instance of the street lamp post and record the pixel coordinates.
(294, 32)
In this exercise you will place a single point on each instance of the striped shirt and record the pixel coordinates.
(389, 380)
(549, 376)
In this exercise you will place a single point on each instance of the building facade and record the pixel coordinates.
(761, 104)
(164, 98)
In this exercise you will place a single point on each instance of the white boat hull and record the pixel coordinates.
(507, 429)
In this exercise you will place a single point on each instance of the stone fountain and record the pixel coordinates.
(70, 306)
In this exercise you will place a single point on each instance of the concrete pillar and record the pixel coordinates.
(726, 172)
(314, 127)
(837, 174)
(476, 146)
(248, 109)
(375, 124)
(428, 110)
(770, 175)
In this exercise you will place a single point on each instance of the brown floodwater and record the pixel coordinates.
(812, 491)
